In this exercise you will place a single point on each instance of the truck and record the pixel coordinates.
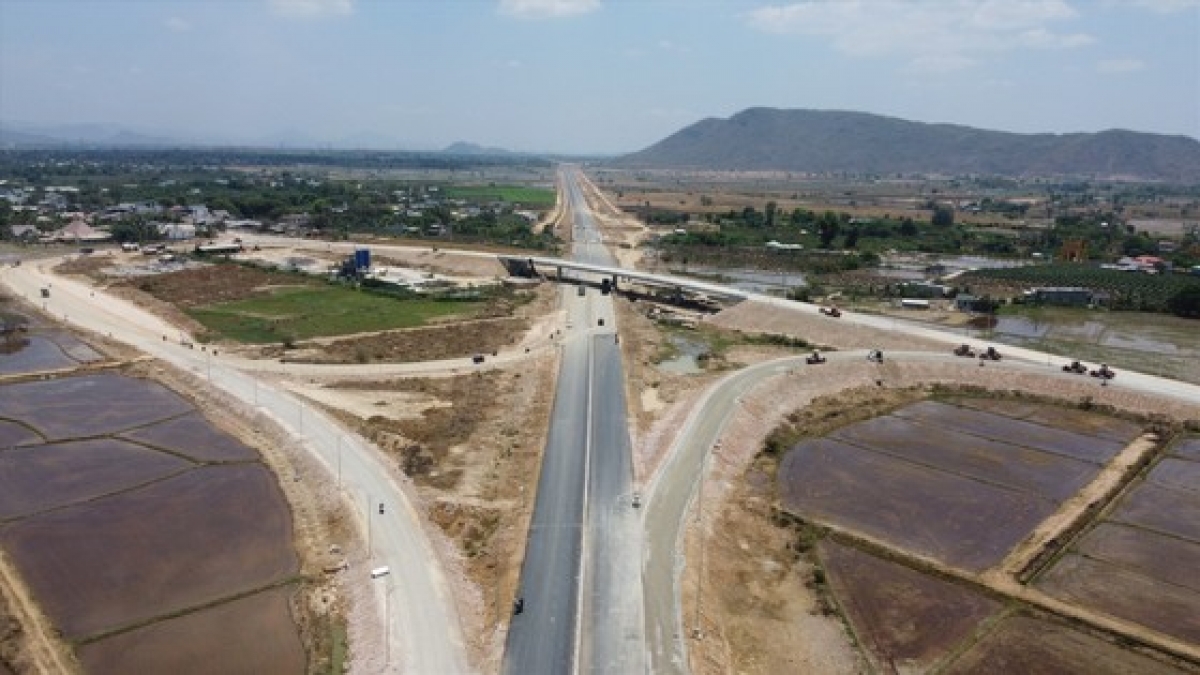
(45, 292)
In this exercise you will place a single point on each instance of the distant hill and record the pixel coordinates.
(77, 134)
(464, 148)
(853, 142)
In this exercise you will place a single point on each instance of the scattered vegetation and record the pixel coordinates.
(1127, 290)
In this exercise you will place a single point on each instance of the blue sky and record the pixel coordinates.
(589, 76)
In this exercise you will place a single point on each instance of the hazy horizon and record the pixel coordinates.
(588, 76)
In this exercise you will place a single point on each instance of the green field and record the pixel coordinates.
(511, 194)
(301, 313)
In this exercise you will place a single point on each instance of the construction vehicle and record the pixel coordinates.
(990, 354)
(1103, 372)
(815, 358)
(964, 350)
(1075, 367)
(831, 311)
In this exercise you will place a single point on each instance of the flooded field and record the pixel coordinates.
(1058, 437)
(41, 348)
(38, 478)
(1173, 512)
(155, 547)
(1074, 419)
(13, 434)
(89, 406)
(906, 619)
(1127, 594)
(194, 437)
(1155, 344)
(948, 481)
(960, 521)
(1187, 449)
(151, 540)
(1140, 563)
(1177, 473)
(1040, 473)
(247, 636)
(1032, 646)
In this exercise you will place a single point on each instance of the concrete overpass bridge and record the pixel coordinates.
(592, 274)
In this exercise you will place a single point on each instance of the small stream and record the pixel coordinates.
(687, 361)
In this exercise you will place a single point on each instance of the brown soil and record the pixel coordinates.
(473, 451)
(441, 262)
(215, 284)
(90, 266)
(429, 343)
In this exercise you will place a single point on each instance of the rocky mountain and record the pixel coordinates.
(860, 143)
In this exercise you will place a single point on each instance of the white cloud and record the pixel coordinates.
(311, 8)
(542, 9)
(1119, 66)
(936, 35)
(177, 25)
(1161, 6)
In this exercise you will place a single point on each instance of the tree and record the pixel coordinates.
(1186, 302)
(851, 238)
(828, 228)
(943, 217)
(770, 217)
(908, 228)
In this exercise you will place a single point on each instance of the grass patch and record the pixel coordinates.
(338, 651)
(288, 314)
(511, 194)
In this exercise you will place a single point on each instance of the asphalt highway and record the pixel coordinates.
(580, 581)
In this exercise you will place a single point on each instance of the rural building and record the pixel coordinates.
(1070, 296)
(924, 289)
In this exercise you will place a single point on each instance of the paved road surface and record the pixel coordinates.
(582, 559)
(424, 631)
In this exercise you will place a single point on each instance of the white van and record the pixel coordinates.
(380, 572)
